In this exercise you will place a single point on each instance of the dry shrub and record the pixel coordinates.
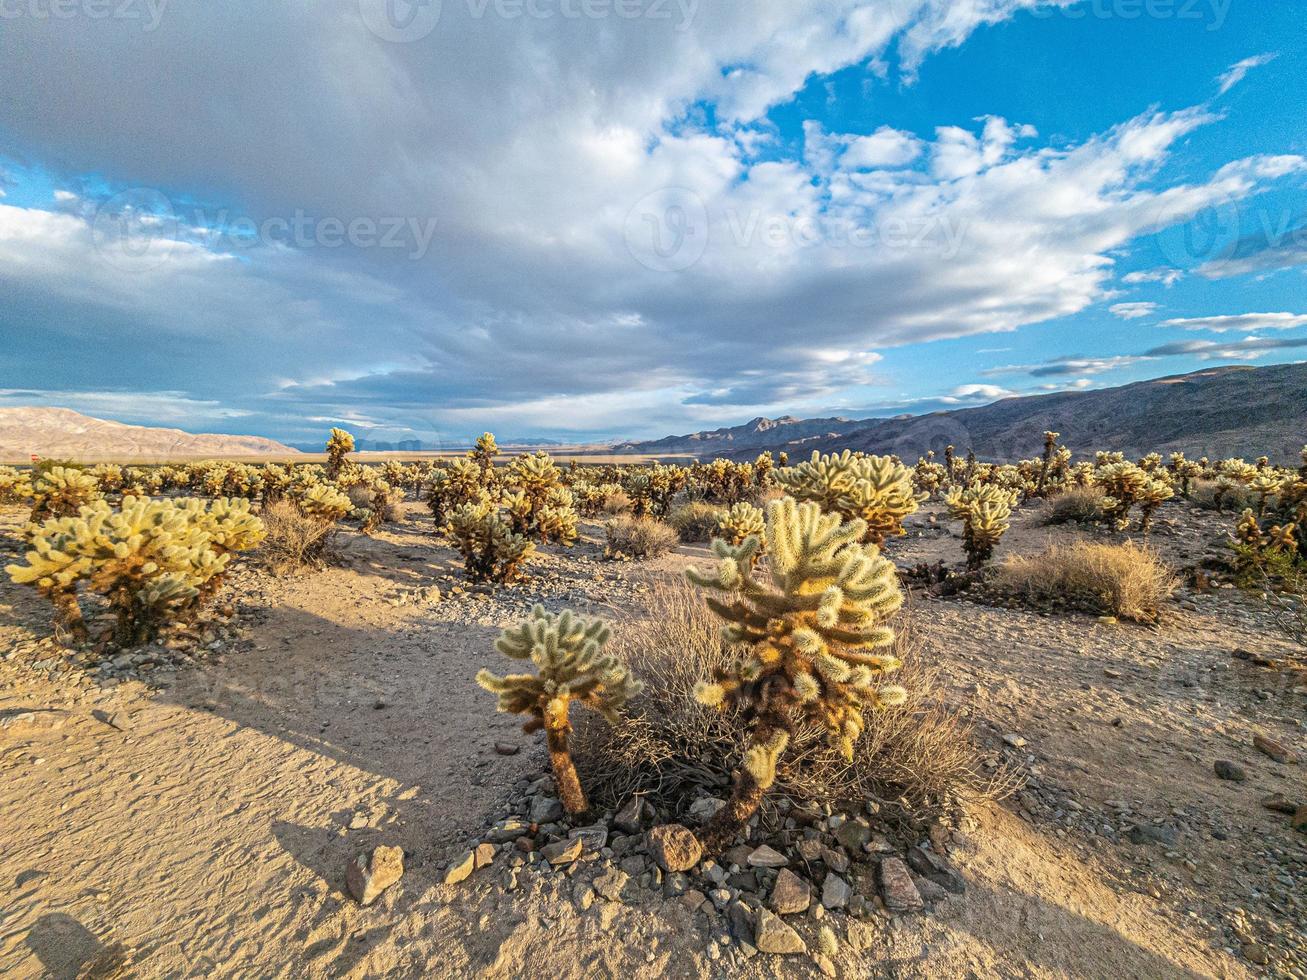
(617, 502)
(1125, 580)
(696, 521)
(1078, 505)
(1210, 495)
(294, 539)
(672, 749)
(639, 537)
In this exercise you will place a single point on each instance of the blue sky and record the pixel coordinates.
(631, 218)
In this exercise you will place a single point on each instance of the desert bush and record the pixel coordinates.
(154, 561)
(670, 748)
(616, 501)
(491, 551)
(639, 537)
(571, 666)
(1220, 495)
(1125, 580)
(1077, 505)
(294, 539)
(695, 521)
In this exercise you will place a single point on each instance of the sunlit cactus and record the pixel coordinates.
(483, 453)
(815, 637)
(571, 666)
(1266, 483)
(339, 445)
(1122, 483)
(877, 490)
(15, 487)
(326, 502)
(1155, 492)
(1046, 461)
(61, 491)
(491, 551)
(984, 511)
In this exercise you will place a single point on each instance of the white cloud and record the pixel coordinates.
(1242, 321)
(1133, 311)
(1167, 277)
(1240, 69)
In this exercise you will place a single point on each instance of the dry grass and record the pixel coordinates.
(1125, 580)
(696, 521)
(617, 502)
(639, 537)
(673, 750)
(294, 539)
(1078, 505)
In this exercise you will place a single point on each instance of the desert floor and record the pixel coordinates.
(196, 820)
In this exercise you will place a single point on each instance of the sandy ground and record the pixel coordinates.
(201, 822)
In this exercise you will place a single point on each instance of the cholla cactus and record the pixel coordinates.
(763, 466)
(570, 666)
(984, 511)
(1265, 484)
(741, 521)
(14, 486)
(153, 559)
(60, 491)
(491, 551)
(339, 445)
(1122, 482)
(877, 490)
(1155, 492)
(1046, 461)
(326, 502)
(452, 487)
(538, 504)
(929, 475)
(483, 453)
(816, 641)
(1186, 471)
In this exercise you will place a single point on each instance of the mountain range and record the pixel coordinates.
(65, 434)
(1219, 412)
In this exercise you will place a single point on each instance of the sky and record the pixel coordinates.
(591, 219)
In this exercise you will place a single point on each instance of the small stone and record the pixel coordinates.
(767, 857)
(1280, 804)
(771, 935)
(507, 748)
(368, 877)
(929, 891)
(544, 809)
(1015, 741)
(583, 895)
(790, 894)
(628, 818)
(742, 921)
(810, 850)
(835, 892)
(506, 830)
(853, 834)
(896, 887)
(593, 837)
(693, 899)
(837, 861)
(1254, 954)
(610, 885)
(674, 848)
(1150, 834)
(462, 866)
(1299, 821)
(824, 964)
(1230, 771)
(484, 854)
(1273, 749)
(930, 865)
(1107, 620)
(704, 809)
(563, 851)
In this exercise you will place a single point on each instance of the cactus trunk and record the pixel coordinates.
(569, 784)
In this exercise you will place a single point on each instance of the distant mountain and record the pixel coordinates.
(63, 433)
(757, 435)
(1220, 412)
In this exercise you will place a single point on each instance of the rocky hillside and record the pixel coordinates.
(63, 433)
(1225, 411)
(760, 434)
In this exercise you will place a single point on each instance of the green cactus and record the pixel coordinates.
(984, 511)
(567, 651)
(1155, 492)
(816, 640)
(741, 521)
(61, 491)
(491, 551)
(483, 453)
(339, 445)
(877, 490)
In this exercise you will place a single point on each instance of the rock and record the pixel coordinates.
(1150, 834)
(358, 821)
(742, 921)
(853, 834)
(674, 848)
(630, 816)
(583, 895)
(837, 861)
(563, 851)
(1254, 954)
(484, 854)
(767, 857)
(929, 891)
(1280, 804)
(704, 809)
(368, 877)
(593, 837)
(1299, 821)
(930, 865)
(462, 866)
(1014, 741)
(790, 894)
(835, 892)
(824, 964)
(693, 899)
(507, 748)
(896, 887)
(506, 830)
(1230, 771)
(544, 809)
(610, 885)
(119, 720)
(810, 850)
(771, 935)
(1273, 749)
